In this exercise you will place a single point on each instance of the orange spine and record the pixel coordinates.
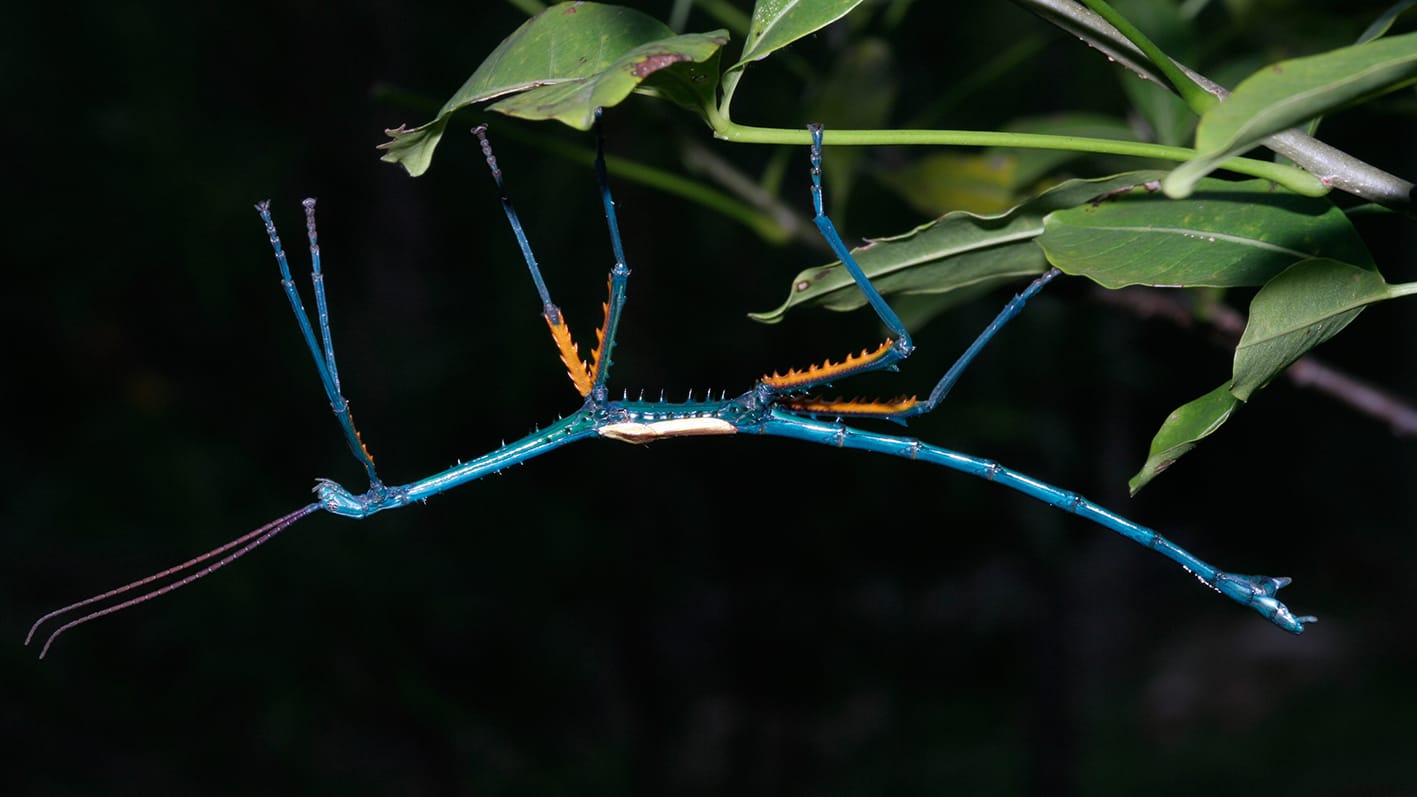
(855, 407)
(570, 355)
(828, 370)
(600, 334)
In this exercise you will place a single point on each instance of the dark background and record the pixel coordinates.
(716, 616)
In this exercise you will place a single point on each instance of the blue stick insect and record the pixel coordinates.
(782, 404)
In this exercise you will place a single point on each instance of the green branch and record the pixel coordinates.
(1296, 180)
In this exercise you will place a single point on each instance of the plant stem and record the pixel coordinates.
(1296, 180)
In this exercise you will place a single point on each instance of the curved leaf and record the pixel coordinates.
(776, 24)
(1285, 94)
(1182, 430)
(569, 59)
(1302, 307)
(1299, 309)
(686, 62)
(1226, 234)
(1380, 26)
(958, 253)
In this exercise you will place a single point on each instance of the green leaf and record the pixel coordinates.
(1306, 305)
(1182, 430)
(776, 24)
(1290, 92)
(568, 60)
(574, 102)
(1380, 26)
(1225, 234)
(959, 254)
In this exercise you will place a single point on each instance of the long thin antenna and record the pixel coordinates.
(246, 543)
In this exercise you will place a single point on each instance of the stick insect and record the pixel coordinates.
(782, 404)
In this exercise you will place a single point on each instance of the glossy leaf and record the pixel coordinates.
(778, 23)
(958, 253)
(1290, 92)
(566, 61)
(1299, 309)
(1226, 234)
(1182, 430)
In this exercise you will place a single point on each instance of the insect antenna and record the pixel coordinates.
(243, 545)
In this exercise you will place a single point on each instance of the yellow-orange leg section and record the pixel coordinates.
(598, 352)
(828, 370)
(583, 374)
(570, 355)
(854, 407)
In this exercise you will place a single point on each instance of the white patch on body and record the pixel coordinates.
(635, 432)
